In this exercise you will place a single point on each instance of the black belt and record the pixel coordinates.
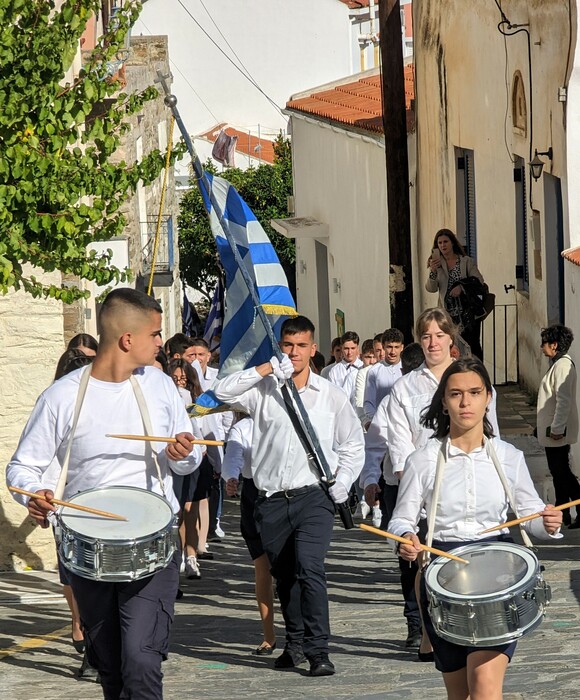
(291, 493)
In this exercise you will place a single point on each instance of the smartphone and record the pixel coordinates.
(435, 254)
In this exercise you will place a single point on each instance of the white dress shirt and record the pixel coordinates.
(410, 395)
(471, 497)
(380, 381)
(96, 460)
(340, 370)
(377, 450)
(279, 461)
(238, 456)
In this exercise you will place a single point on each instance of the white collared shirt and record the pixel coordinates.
(410, 395)
(279, 461)
(238, 456)
(380, 380)
(471, 497)
(377, 450)
(340, 370)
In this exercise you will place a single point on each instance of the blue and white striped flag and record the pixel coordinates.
(215, 320)
(244, 341)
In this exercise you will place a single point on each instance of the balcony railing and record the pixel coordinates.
(164, 263)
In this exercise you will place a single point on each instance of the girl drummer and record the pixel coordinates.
(471, 499)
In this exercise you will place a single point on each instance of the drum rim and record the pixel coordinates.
(434, 588)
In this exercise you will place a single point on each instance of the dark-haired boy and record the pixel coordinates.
(383, 375)
(350, 362)
(295, 514)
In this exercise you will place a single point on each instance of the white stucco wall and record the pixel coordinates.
(341, 181)
(32, 341)
(285, 47)
(462, 101)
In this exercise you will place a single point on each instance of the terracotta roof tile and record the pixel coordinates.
(355, 104)
(248, 144)
(572, 255)
(355, 4)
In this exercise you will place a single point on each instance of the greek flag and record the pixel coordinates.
(215, 321)
(244, 340)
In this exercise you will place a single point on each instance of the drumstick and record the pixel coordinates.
(67, 504)
(151, 438)
(533, 516)
(403, 540)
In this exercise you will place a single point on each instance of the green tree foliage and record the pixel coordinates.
(59, 188)
(265, 189)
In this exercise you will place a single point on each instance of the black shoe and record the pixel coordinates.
(321, 665)
(289, 659)
(266, 649)
(413, 640)
(205, 555)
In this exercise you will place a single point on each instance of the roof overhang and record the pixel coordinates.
(300, 227)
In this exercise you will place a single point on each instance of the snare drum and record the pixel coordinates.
(104, 549)
(495, 599)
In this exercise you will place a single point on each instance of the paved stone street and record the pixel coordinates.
(217, 627)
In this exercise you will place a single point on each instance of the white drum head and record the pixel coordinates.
(496, 567)
(146, 513)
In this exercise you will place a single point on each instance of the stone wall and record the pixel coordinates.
(32, 341)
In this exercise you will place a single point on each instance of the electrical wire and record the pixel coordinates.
(219, 48)
(182, 74)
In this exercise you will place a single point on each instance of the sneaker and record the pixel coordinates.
(289, 659)
(413, 640)
(218, 531)
(377, 516)
(362, 510)
(182, 565)
(192, 568)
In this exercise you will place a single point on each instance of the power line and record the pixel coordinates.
(219, 48)
(182, 74)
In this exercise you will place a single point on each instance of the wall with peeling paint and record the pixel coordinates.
(464, 74)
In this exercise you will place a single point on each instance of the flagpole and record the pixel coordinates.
(171, 102)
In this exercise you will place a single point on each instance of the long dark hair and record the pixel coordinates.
(70, 360)
(458, 249)
(434, 417)
(84, 340)
(192, 383)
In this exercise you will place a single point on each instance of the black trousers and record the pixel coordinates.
(408, 569)
(296, 534)
(566, 484)
(126, 627)
(472, 336)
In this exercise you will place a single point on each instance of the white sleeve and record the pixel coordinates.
(376, 446)
(182, 424)
(410, 501)
(350, 445)
(235, 389)
(565, 392)
(234, 455)
(492, 413)
(399, 435)
(370, 397)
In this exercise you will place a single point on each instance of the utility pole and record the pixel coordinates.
(395, 128)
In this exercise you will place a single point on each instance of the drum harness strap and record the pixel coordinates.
(441, 462)
(142, 405)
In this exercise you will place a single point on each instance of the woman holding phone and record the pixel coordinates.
(455, 276)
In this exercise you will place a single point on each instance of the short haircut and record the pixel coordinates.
(441, 318)
(367, 346)
(392, 335)
(412, 357)
(336, 343)
(117, 309)
(297, 324)
(177, 344)
(378, 338)
(163, 360)
(350, 337)
(558, 334)
(317, 362)
(84, 340)
(198, 342)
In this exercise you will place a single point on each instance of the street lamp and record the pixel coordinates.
(537, 165)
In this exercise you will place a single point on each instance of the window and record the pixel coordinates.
(519, 109)
(465, 197)
(521, 218)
